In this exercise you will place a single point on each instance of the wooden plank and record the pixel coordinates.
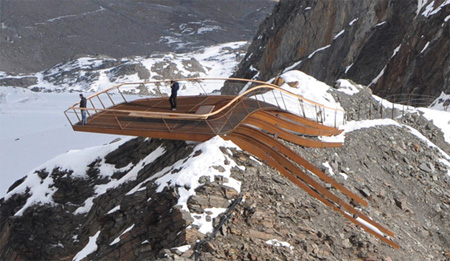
(289, 136)
(205, 109)
(166, 115)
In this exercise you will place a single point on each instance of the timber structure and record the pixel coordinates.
(252, 114)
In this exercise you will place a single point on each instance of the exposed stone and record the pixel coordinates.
(335, 41)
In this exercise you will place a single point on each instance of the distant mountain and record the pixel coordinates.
(36, 35)
(94, 73)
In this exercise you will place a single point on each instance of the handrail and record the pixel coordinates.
(247, 93)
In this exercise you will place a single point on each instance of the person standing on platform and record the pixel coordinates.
(173, 96)
(83, 109)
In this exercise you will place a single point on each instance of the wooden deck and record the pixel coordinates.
(132, 118)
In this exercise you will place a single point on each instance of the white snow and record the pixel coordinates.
(200, 220)
(278, 243)
(116, 208)
(117, 239)
(338, 34)
(375, 80)
(348, 68)
(431, 8)
(312, 90)
(347, 87)
(195, 166)
(319, 50)
(396, 50)
(91, 247)
(328, 167)
(292, 66)
(425, 47)
(353, 21)
(420, 4)
(183, 248)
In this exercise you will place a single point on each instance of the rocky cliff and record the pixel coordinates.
(394, 47)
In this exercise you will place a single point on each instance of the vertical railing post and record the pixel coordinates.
(121, 94)
(335, 118)
(359, 111)
(101, 102)
(110, 99)
(93, 106)
(315, 109)
(282, 98)
(276, 100)
(303, 109)
(381, 110)
(392, 111)
(78, 117)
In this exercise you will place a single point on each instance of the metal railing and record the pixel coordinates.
(257, 95)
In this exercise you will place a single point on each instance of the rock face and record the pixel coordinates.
(403, 178)
(395, 47)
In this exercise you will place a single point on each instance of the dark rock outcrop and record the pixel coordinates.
(390, 45)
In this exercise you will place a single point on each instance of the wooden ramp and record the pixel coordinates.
(254, 124)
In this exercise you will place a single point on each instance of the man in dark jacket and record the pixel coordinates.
(173, 96)
(83, 111)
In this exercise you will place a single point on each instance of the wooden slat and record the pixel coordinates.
(305, 121)
(205, 109)
(289, 125)
(289, 136)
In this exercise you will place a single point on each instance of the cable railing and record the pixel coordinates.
(392, 107)
(410, 99)
(222, 119)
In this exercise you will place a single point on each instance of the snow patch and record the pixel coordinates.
(318, 50)
(347, 87)
(91, 247)
(277, 243)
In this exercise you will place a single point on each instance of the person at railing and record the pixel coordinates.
(173, 96)
(83, 110)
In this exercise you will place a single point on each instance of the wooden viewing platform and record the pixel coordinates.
(254, 119)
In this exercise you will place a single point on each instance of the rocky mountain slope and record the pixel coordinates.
(36, 35)
(395, 47)
(172, 200)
